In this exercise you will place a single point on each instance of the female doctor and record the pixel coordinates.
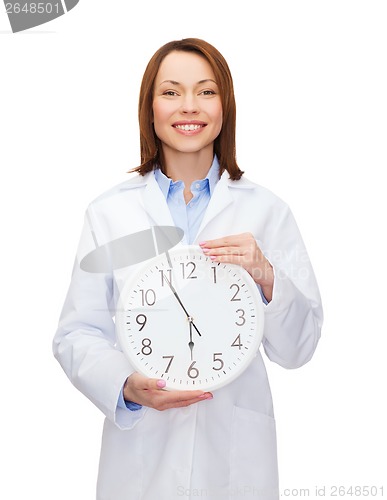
(164, 445)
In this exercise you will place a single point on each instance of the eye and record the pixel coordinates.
(170, 93)
(208, 92)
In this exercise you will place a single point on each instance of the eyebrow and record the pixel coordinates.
(200, 82)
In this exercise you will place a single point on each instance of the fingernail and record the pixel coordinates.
(161, 383)
(202, 243)
(206, 395)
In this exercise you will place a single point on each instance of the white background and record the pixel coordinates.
(311, 80)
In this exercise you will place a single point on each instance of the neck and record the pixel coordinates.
(187, 167)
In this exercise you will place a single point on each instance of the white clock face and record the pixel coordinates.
(192, 322)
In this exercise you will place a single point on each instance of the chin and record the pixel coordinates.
(192, 148)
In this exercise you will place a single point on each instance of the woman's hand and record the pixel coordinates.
(149, 392)
(242, 249)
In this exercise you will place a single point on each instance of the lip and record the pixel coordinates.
(181, 123)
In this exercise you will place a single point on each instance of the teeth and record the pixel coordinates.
(188, 127)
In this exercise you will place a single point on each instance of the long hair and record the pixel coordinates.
(224, 144)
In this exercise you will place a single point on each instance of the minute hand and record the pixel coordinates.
(181, 303)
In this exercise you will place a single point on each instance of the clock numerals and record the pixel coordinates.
(219, 360)
(192, 372)
(187, 270)
(148, 297)
(214, 271)
(169, 363)
(146, 347)
(169, 276)
(237, 343)
(241, 317)
(141, 320)
(235, 297)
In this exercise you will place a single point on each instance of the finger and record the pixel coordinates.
(187, 402)
(231, 250)
(140, 382)
(230, 240)
(154, 384)
(223, 250)
(162, 400)
(181, 396)
(221, 242)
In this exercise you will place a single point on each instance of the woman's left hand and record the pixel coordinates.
(242, 249)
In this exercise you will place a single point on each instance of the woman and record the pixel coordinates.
(161, 444)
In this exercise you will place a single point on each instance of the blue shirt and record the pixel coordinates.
(186, 216)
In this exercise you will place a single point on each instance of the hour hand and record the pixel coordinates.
(190, 343)
(197, 331)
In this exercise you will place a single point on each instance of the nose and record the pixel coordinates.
(189, 104)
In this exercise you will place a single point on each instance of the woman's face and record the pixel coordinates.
(187, 108)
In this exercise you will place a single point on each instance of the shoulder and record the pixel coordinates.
(249, 190)
(134, 182)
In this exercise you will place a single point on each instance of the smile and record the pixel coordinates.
(189, 127)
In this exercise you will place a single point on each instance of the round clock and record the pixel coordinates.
(195, 323)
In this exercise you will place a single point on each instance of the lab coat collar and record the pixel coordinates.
(154, 203)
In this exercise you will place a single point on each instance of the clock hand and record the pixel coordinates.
(180, 302)
(176, 295)
(190, 343)
(197, 331)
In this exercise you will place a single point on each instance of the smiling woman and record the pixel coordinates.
(211, 76)
(187, 113)
(158, 443)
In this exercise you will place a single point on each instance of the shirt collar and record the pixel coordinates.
(213, 175)
(165, 182)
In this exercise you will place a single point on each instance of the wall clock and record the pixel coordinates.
(192, 322)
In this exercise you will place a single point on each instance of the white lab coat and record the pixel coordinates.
(223, 448)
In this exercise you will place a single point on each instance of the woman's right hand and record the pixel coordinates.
(150, 392)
